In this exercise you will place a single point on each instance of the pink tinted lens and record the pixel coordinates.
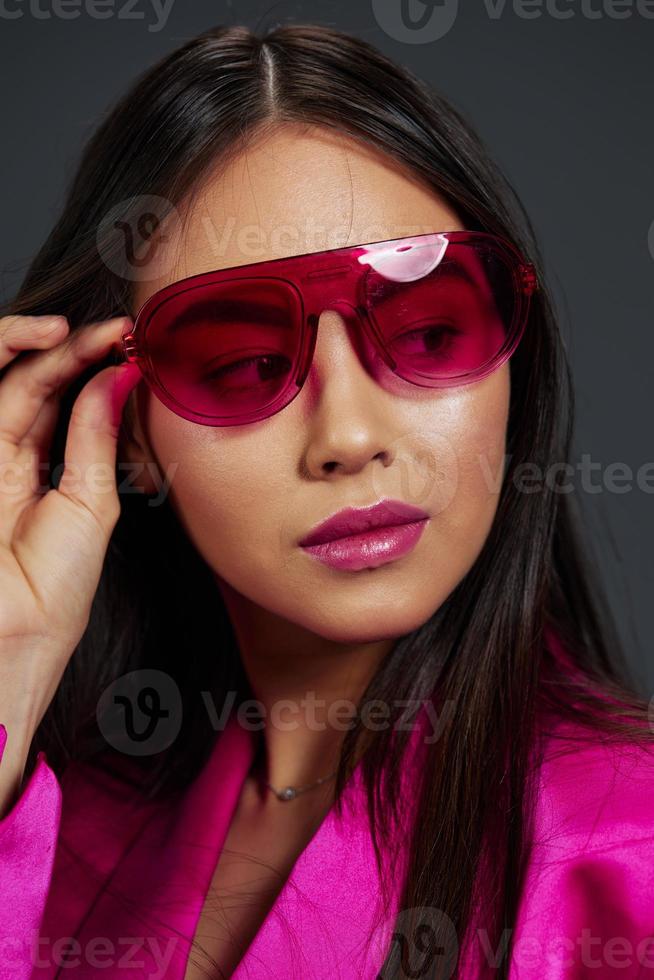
(229, 349)
(443, 310)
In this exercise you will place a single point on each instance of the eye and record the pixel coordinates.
(431, 340)
(250, 371)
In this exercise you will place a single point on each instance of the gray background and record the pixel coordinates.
(565, 105)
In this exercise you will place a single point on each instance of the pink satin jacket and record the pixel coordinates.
(97, 882)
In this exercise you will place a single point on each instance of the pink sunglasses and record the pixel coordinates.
(235, 346)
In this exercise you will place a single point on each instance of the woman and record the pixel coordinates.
(399, 745)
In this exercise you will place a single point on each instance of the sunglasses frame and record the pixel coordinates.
(306, 275)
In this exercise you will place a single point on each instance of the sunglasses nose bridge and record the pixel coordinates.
(339, 289)
(356, 320)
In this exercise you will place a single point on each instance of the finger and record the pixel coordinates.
(90, 455)
(44, 374)
(38, 440)
(38, 437)
(19, 333)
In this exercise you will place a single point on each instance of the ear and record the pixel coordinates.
(135, 457)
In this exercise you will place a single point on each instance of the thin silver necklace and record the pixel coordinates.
(290, 792)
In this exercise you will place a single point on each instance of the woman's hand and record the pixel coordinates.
(52, 544)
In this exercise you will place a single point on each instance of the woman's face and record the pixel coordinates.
(247, 494)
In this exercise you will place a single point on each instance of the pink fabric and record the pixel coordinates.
(587, 909)
(589, 903)
(113, 885)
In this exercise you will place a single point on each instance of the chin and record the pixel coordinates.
(367, 626)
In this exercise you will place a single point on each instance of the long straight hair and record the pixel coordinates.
(486, 649)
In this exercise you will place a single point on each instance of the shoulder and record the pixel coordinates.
(594, 788)
(586, 902)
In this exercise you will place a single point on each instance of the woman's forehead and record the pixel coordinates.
(290, 193)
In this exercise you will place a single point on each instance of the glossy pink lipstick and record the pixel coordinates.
(357, 538)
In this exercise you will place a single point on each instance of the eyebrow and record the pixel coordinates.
(452, 269)
(455, 270)
(230, 309)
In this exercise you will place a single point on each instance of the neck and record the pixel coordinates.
(308, 688)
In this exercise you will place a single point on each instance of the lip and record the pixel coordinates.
(366, 537)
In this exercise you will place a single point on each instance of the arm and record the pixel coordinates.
(52, 549)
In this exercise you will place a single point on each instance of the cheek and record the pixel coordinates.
(227, 489)
(472, 434)
(461, 463)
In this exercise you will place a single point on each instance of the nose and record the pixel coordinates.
(349, 414)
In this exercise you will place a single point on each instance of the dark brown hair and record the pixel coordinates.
(486, 648)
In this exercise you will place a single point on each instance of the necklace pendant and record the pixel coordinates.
(287, 794)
